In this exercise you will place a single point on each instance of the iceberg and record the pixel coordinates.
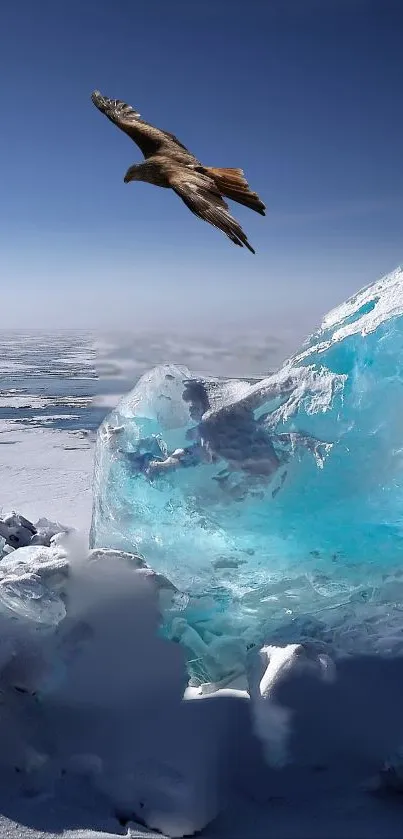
(273, 507)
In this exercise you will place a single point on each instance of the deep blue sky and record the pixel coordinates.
(305, 95)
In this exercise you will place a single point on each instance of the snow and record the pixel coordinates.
(33, 401)
(46, 472)
(73, 704)
(98, 728)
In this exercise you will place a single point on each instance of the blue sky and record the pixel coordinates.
(305, 95)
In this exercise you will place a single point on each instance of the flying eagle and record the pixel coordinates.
(169, 164)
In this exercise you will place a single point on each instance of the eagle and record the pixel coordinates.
(169, 164)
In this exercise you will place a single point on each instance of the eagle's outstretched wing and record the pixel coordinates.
(149, 139)
(202, 197)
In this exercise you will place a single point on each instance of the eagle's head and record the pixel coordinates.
(132, 174)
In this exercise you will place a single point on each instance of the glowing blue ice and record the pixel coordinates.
(276, 508)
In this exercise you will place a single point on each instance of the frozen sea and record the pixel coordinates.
(48, 381)
(48, 421)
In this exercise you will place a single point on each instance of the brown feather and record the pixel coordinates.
(233, 184)
(148, 138)
(202, 197)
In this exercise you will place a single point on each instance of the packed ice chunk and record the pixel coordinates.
(31, 581)
(274, 507)
(18, 532)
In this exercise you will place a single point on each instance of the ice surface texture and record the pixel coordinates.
(273, 507)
